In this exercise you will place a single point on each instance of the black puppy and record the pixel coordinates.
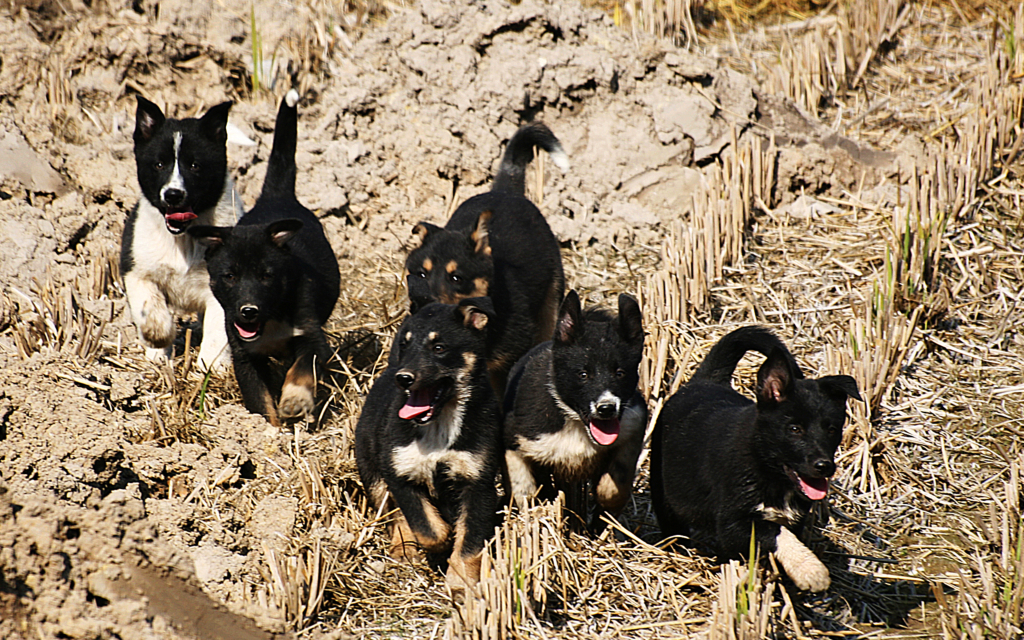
(277, 278)
(721, 463)
(573, 410)
(497, 244)
(430, 436)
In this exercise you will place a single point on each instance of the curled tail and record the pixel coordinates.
(720, 363)
(512, 172)
(280, 180)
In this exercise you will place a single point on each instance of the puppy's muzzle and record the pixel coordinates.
(174, 197)
(249, 312)
(825, 467)
(606, 410)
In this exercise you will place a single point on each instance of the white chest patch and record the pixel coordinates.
(418, 460)
(569, 449)
(788, 514)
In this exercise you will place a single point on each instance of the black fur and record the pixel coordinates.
(721, 463)
(429, 435)
(277, 278)
(573, 410)
(499, 245)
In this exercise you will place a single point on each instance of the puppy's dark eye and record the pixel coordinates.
(583, 375)
(267, 276)
(620, 373)
(195, 166)
(158, 165)
(228, 277)
(454, 278)
(421, 274)
(796, 429)
(439, 349)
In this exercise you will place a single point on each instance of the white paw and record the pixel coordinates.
(801, 565)
(296, 401)
(158, 355)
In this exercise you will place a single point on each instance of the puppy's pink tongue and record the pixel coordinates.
(604, 431)
(246, 333)
(181, 216)
(814, 488)
(417, 404)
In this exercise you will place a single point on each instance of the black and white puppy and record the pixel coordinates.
(497, 244)
(184, 178)
(428, 439)
(721, 463)
(277, 279)
(572, 408)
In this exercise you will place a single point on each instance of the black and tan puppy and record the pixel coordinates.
(277, 278)
(429, 437)
(497, 244)
(573, 410)
(721, 464)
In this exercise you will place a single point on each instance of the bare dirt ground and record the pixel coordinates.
(877, 228)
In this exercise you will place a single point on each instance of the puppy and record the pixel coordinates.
(497, 244)
(183, 175)
(572, 408)
(429, 436)
(277, 279)
(721, 463)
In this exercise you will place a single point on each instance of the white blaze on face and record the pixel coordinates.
(606, 397)
(176, 181)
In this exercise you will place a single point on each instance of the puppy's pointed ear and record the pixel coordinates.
(209, 236)
(569, 327)
(844, 386)
(148, 120)
(281, 231)
(423, 230)
(475, 313)
(775, 379)
(214, 123)
(631, 320)
(479, 240)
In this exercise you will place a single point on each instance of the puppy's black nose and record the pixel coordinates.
(249, 312)
(825, 467)
(404, 379)
(174, 197)
(606, 411)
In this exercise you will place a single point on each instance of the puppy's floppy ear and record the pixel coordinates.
(775, 378)
(423, 230)
(214, 123)
(209, 236)
(148, 119)
(631, 321)
(479, 240)
(475, 313)
(569, 327)
(281, 231)
(844, 386)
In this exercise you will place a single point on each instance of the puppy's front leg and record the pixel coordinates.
(148, 305)
(520, 477)
(298, 394)
(806, 570)
(421, 516)
(213, 351)
(251, 375)
(474, 526)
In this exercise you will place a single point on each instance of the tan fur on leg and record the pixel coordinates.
(611, 495)
(299, 389)
(463, 570)
(524, 486)
(800, 563)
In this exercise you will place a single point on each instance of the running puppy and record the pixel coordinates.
(277, 278)
(429, 436)
(183, 174)
(721, 463)
(573, 410)
(497, 244)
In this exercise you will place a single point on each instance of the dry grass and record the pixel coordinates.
(917, 296)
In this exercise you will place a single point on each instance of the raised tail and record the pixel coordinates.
(280, 180)
(720, 363)
(512, 172)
